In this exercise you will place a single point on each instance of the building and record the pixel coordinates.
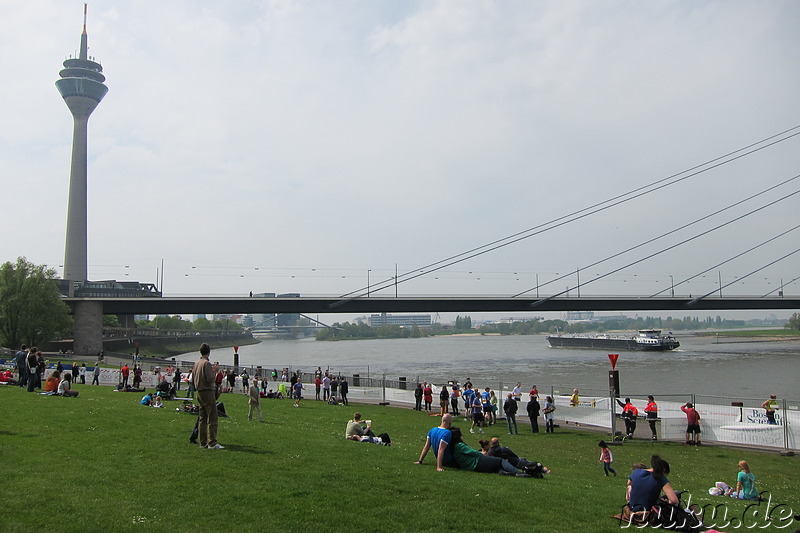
(81, 86)
(383, 319)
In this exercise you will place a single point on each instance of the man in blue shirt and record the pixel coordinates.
(439, 439)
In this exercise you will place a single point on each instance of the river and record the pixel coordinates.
(744, 368)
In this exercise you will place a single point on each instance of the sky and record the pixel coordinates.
(316, 147)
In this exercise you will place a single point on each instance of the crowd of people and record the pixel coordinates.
(647, 488)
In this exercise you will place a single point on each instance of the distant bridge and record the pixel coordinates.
(417, 304)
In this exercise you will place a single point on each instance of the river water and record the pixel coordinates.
(702, 365)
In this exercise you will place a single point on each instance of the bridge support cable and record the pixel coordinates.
(690, 278)
(681, 243)
(675, 230)
(581, 213)
(737, 280)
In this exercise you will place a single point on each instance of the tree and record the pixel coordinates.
(31, 310)
(794, 321)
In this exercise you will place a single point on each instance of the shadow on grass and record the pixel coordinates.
(247, 449)
(4, 432)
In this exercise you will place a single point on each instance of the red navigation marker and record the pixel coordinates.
(613, 358)
(236, 349)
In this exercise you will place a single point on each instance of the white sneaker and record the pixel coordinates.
(480, 430)
(217, 446)
(472, 431)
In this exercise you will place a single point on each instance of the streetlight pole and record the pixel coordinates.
(368, 271)
(672, 287)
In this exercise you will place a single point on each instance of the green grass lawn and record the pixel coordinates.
(102, 462)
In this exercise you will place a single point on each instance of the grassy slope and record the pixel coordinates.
(102, 462)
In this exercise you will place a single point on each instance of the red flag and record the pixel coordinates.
(236, 349)
(613, 358)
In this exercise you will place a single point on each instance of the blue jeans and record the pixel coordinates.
(512, 419)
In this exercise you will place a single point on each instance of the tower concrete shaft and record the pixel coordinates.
(81, 86)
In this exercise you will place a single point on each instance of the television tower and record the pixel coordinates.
(81, 86)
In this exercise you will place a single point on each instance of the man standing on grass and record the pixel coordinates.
(254, 401)
(204, 377)
(439, 439)
(21, 359)
(124, 372)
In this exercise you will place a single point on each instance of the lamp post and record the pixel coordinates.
(671, 286)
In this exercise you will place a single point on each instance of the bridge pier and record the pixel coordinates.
(126, 321)
(88, 316)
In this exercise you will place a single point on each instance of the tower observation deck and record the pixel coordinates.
(81, 86)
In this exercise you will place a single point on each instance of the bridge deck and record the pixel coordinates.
(309, 305)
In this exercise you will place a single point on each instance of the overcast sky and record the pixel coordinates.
(279, 146)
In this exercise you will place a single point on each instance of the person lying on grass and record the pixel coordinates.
(469, 459)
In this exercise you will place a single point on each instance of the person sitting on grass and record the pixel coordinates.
(147, 399)
(51, 385)
(745, 483)
(356, 429)
(64, 388)
(645, 485)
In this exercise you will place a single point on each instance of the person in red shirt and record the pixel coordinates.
(693, 427)
(317, 385)
(652, 415)
(218, 378)
(427, 396)
(125, 371)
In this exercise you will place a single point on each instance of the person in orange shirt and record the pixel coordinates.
(652, 415)
(51, 385)
(629, 414)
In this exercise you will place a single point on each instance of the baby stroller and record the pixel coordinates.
(166, 390)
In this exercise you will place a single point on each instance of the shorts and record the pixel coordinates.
(693, 428)
(477, 417)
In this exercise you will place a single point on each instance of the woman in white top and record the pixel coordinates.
(64, 386)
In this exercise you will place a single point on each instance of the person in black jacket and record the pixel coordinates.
(533, 413)
(494, 449)
(418, 397)
(510, 407)
(344, 388)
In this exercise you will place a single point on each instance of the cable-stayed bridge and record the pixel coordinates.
(416, 304)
